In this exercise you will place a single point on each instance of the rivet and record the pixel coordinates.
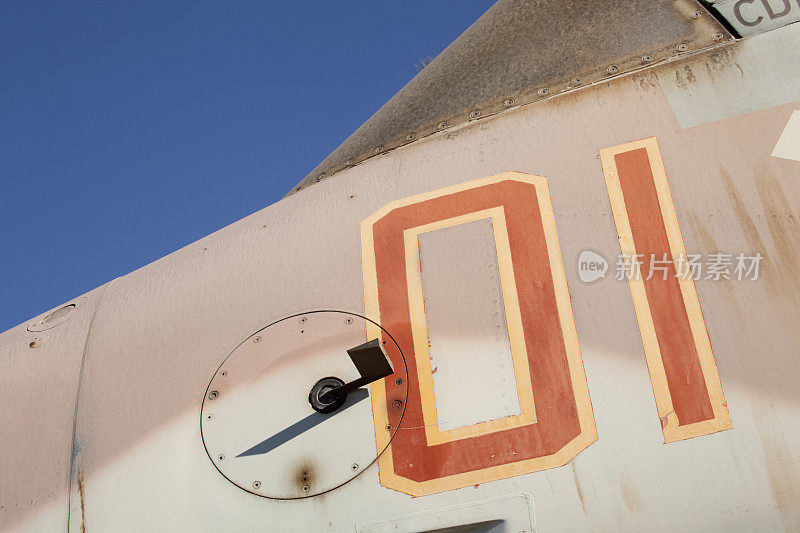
(696, 14)
(303, 320)
(378, 150)
(388, 427)
(647, 59)
(442, 125)
(221, 457)
(577, 80)
(354, 467)
(209, 417)
(306, 488)
(411, 136)
(718, 36)
(213, 395)
(397, 404)
(349, 162)
(321, 177)
(613, 69)
(474, 114)
(348, 320)
(257, 339)
(398, 381)
(256, 484)
(223, 373)
(683, 47)
(508, 102)
(543, 91)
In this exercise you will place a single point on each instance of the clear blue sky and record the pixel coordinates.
(130, 129)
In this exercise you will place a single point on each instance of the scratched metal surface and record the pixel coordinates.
(519, 48)
(161, 331)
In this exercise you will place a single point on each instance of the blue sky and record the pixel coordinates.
(130, 129)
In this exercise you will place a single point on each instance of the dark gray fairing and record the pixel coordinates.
(522, 51)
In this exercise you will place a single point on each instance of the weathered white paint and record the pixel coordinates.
(160, 332)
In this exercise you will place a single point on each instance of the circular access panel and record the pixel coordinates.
(258, 424)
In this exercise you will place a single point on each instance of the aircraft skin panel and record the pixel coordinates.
(161, 332)
(39, 382)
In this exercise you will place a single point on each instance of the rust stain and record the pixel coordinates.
(577, 486)
(709, 245)
(784, 479)
(82, 492)
(629, 495)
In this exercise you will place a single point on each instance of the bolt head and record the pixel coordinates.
(508, 102)
(613, 69)
(696, 14)
(474, 114)
(542, 92)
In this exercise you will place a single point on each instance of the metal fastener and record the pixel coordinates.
(348, 320)
(718, 36)
(221, 457)
(388, 426)
(577, 80)
(508, 102)
(321, 177)
(442, 125)
(223, 373)
(647, 59)
(257, 339)
(398, 381)
(213, 395)
(303, 320)
(378, 150)
(543, 91)
(349, 162)
(354, 467)
(256, 484)
(613, 69)
(306, 488)
(474, 113)
(683, 47)
(397, 404)
(209, 417)
(696, 14)
(411, 136)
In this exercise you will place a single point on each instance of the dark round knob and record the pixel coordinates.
(329, 404)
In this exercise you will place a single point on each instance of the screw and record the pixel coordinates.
(348, 320)
(223, 373)
(398, 381)
(306, 488)
(442, 125)
(256, 484)
(508, 102)
(410, 136)
(613, 69)
(303, 320)
(257, 339)
(213, 395)
(397, 404)
(474, 114)
(209, 417)
(647, 59)
(349, 162)
(354, 467)
(696, 14)
(683, 47)
(221, 457)
(378, 150)
(543, 91)
(718, 36)
(388, 427)
(577, 80)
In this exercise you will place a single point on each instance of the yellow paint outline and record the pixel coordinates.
(588, 434)
(666, 412)
(519, 354)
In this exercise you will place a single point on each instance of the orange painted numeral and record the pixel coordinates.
(544, 344)
(682, 369)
